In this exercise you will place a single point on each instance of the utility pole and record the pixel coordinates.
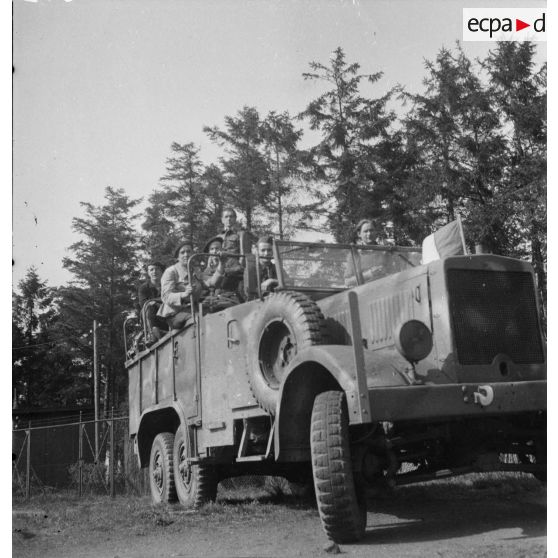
(96, 388)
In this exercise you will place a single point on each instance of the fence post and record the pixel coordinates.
(112, 453)
(28, 465)
(96, 390)
(80, 457)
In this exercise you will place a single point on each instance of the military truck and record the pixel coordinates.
(363, 369)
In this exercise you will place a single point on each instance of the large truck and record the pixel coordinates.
(364, 368)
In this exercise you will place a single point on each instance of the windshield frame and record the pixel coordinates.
(354, 250)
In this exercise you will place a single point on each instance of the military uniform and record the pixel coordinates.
(267, 271)
(231, 241)
(173, 285)
(234, 270)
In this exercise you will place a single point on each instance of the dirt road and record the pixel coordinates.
(436, 520)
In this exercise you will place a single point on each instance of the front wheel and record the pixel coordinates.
(161, 473)
(196, 483)
(342, 508)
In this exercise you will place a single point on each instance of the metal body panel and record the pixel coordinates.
(165, 367)
(438, 402)
(217, 421)
(134, 397)
(149, 381)
(182, 351)
(224, 385)
(383, 304)
(156, 377)
(382, 368)
(166, 374)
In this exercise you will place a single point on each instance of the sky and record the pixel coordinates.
(102, 88)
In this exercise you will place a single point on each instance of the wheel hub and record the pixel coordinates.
(277, 349)
(158, 472)
(184, 467)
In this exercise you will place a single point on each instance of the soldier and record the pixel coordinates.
(214, 272)
(229, 234)
(150, 292)
(232, 244)
(220, 277)
(268, 273)
(368, 262)
(365, 232)
(176, 289)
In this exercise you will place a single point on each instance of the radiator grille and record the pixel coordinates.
(494, 312)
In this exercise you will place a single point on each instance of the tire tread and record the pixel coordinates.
(340, 511)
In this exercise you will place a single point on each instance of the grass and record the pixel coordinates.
(64, 510)
(238, 499)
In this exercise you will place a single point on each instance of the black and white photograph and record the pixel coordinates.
(279, 278)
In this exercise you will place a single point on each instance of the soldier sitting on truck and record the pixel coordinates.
(176, 289)
(221, 275)
(149, 299)
(370, 263)
(214, 272)
(268, 273)
(364, 236)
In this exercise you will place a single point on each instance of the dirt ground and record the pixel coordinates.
(446, 519)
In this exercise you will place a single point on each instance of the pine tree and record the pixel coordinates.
(353, 128)
(286, 165)
(246, 179)
(187, 207)
(44, 372)
(184, 192)
(105, 268)
(454, 130)
(519, 92)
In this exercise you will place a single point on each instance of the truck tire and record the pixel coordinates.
(286, 323)
(196, 483)
(161, 471)
(342, 508)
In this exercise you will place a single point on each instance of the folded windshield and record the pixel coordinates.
(339, 266)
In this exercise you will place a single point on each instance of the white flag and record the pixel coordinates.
(447, 241)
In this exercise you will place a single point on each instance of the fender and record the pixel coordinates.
(322, 368)
(163, 417)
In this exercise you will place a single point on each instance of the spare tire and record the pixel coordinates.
(286, 323)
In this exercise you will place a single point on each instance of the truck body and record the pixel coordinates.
(408, 372)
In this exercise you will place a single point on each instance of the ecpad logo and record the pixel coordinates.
(504, 24)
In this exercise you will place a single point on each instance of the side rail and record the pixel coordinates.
(130, 333)
(137, 336)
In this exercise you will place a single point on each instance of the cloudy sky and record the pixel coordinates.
(102, 88)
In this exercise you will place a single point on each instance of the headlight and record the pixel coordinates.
(413, 340)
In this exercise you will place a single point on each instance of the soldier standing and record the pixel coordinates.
(234, 242)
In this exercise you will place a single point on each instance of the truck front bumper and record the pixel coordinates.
(427, 402)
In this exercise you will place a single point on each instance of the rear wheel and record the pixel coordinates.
(196, 483)
(161, 473)
(341, 506)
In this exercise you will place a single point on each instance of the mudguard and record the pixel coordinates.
(322, 368)
(165, 415)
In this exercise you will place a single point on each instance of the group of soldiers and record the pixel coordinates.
(165, 297)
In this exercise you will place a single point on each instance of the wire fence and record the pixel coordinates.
(90, 457)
